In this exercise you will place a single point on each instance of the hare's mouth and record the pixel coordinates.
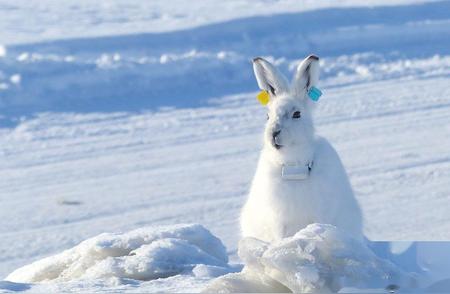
(276, 143)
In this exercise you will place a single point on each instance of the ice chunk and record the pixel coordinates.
(319, 258)
(143, 254)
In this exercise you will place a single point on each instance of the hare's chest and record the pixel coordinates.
(293, 195)
(292, 207)
(278, 207)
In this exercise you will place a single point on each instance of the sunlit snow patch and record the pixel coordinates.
(2, 51)
(143, 254)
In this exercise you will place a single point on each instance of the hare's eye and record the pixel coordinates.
(296, 114)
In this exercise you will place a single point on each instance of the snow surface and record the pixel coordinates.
(36, 20)
(94, 132)
(186, 68)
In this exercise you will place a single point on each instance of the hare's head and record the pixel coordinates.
(289, 127)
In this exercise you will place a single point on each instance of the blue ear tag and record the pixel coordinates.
(314, 93)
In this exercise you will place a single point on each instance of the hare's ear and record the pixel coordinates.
(269, 78)
(307, 75)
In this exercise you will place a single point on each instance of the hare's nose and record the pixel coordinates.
(275, 133)
(276, 139)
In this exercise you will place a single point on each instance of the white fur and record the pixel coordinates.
(278, 208)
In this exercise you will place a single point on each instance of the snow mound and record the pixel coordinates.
(319, 258)
(143, 254)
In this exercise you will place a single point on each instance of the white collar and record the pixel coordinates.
(296, 172)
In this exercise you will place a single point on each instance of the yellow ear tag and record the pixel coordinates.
(263, 97)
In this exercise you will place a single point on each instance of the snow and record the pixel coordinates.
(186, 68)
(15, 79)
(144, 254)
(2, 51)
(179, 283)
(144, 114)
(319, 258)
(161, 258)
(84, 18)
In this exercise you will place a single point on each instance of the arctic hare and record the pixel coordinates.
(300, 178)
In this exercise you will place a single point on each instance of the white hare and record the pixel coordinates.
(300, 178)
